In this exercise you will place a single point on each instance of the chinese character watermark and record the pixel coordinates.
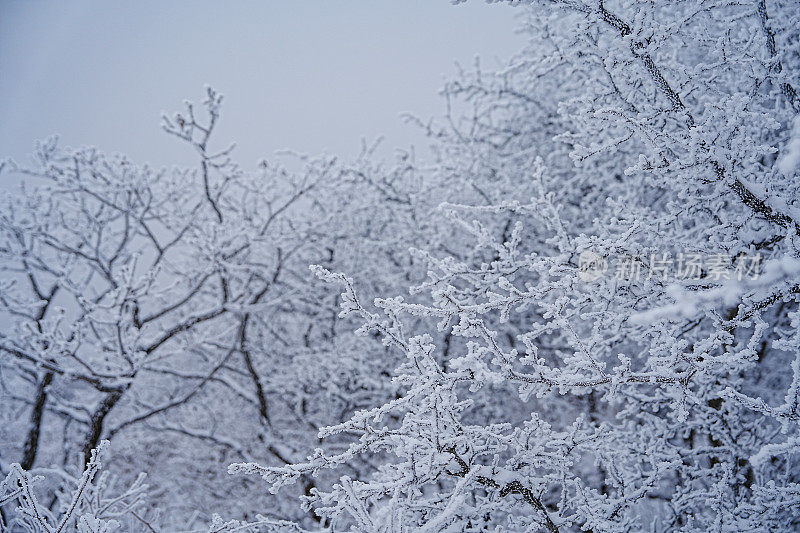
(663, 266)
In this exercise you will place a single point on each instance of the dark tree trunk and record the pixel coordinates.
(31, 446)
(96, 422)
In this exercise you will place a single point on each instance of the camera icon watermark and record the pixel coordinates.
(591, 266)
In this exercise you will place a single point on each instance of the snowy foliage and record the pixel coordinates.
(627, 129)
(508, 391)
(84, 505)
(172, 311)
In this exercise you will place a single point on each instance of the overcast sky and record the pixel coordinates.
(312, 76)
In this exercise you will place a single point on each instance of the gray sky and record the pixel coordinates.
(311, 76)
